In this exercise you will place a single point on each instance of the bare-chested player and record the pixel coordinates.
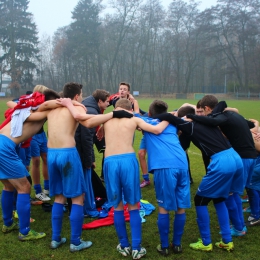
(13, 176)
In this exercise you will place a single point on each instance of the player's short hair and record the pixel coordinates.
(209, 101)
(61, 94)
(158, 107)
(124, 103)
(183, 111)
(71, 89)
(125, 83)
(199, 104)
(39, 88)
(100, 94)
(50, 94)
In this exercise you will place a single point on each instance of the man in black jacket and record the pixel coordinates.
(85, 137)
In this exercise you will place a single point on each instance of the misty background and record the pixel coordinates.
(158, 48)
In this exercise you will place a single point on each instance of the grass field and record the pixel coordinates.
(104, 238)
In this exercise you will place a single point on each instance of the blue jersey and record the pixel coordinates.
(164, 150)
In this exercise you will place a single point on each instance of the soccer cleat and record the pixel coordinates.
(54, 244)
(229, 246)
(253, 222)
(32, 235)
(144, 183)
(46, 192)
(138, 254)
(6, 229)
(199, 246)
(244, 199)
(247, 210)
(81, 246)
(237, 233)
(125, 251)
(245, 229)
(15, 214)
(176, 249)
(162, 251)
(42, 197)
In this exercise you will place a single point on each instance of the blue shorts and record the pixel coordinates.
(121, 174)
(142, 144)
(39, 144)
(224, 175)
(254, 183)
(11, 166)
(65, 172)
(172, 188)
(249, 165)
(25, 155)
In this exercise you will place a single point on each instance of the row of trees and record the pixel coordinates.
(181, 49)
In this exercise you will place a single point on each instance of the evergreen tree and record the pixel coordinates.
(83, 39)
(18, 39)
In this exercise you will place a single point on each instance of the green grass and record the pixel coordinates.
(104, 239)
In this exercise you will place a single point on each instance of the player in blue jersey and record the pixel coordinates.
(218, 183)
(168, 162)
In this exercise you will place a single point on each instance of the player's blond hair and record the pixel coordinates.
(124, 103)
(39, 88)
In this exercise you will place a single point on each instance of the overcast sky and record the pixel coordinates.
(49, 15)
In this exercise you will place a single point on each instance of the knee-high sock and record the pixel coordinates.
(46, 184)
(178, 228)
(15, 199)
(239, 208)
(120, 226)
(56, 219)
(203, 224)
(253, 197)
(24, 209)
(7, 207)
(233, 212)
(136, 229)
(163, 223)
(38, 188)
(223, 221)
(76, 221)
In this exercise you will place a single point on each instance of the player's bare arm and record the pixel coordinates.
(37, 116)
(155, 129)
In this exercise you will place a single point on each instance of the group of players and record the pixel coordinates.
(222, 135)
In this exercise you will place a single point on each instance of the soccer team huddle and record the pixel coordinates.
(74, 125)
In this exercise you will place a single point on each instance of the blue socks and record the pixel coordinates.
(146, 176)
(178, 228)
(136, 229)
(56, 220)
(119, 223)
(163, 223)
(38, 188)
(253, 196)
(46, 184)
(223, 221)
(23, 209)
(76, 221)
(233, 212)
(239, 208)
(7, 207)
(203, 224)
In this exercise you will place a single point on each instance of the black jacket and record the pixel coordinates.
(235, 128)
(84, 136)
